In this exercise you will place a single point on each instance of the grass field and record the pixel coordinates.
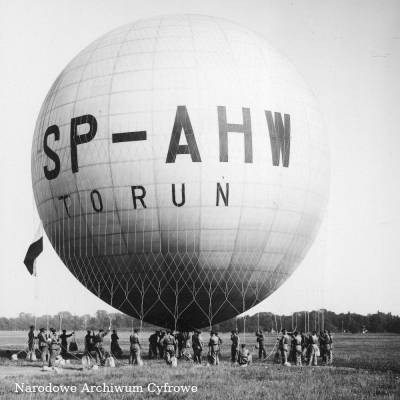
(365, 367)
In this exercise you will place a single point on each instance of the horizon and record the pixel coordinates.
(240, 316)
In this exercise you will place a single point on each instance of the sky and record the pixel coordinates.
(349, 54)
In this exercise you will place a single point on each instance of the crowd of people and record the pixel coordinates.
(50, 345)
(302, 349)
(294, 347)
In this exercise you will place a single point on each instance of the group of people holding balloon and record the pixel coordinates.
(301, 349)
(295, 347)
(50, 345)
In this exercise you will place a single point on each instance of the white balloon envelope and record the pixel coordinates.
(180, 168)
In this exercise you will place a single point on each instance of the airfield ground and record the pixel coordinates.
(365, 367)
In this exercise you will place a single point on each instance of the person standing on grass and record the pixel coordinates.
(31, 343)
(304, 347)
(297, 340)
(314, 350)
(54, 345)
(260, 341)
(329, 348)
(64, 343)
(160, 346)
(186, 355)
(197, 347)
(169, 347)
(153, 342)
(181, 341)
(321, 342)
(284, 344)
(115, 347)
(219, 346)
(277, 355)
(134, 357)
(98, 346)
(235, 346)
(89, 338)
(43, 345)
(213, 348)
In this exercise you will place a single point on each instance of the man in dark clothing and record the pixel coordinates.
(329, 348)
(31, 344)
(115, 348)
(153, 342)
(43, 345)
(219, 346)
(64, 343)
(234, 346)
(292, 350)
(180, 338)
(89, 342)
(260, 341)
(325, 346)
(322, 348)
(160, 346)
(197, 347)
(304, 347)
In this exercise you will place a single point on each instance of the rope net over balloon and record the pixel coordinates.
(180, 290)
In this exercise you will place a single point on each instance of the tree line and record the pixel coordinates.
(317, 320)
(301, 320)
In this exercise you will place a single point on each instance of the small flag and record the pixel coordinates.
(33, 252)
